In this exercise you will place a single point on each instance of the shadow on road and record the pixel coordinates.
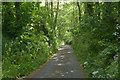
(62, 65)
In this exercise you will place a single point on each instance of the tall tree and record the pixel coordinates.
(51, 9)
(46, 4)
(79, 10)
(56, 12)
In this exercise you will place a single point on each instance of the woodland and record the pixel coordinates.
(32, 32)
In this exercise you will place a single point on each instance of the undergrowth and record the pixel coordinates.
(28, 53)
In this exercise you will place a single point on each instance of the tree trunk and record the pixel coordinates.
(56, 13)
(79, 10)
(51, 9)
(17, 8)
(46, 4)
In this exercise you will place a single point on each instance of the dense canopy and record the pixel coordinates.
(33, 32)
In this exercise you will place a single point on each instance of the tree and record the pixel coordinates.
(56, 13)
(79, 10)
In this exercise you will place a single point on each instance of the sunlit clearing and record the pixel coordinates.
(62, 42)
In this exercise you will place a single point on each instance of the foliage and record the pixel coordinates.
(31, 36)
(17, 15)
(27, 54)
(97, 40)
(28, 38)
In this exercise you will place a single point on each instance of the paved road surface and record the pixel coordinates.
(63, 65)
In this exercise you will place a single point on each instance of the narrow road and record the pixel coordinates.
(63, 65)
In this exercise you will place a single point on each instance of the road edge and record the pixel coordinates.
(81, 67)
(41, 66)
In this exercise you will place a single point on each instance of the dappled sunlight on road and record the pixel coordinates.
(60, 73)
(63, 65)
(68, 52)
(60, 64)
